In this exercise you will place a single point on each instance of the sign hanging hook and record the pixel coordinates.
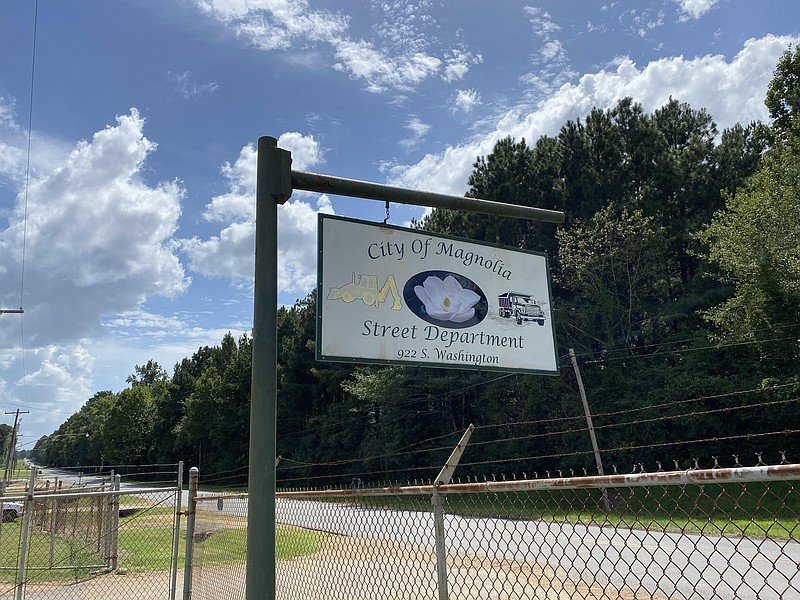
(387, 213)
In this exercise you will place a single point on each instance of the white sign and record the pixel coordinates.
(403, 296)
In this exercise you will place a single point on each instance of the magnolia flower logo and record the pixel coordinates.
(446, 300)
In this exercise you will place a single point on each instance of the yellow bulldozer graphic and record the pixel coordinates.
(366, 290)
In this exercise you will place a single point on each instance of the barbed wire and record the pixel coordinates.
(637, 466)
(348, 461)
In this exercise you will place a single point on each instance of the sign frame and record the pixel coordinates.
(323, 353)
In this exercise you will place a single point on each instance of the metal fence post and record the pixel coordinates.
(26, 529)
(115, 523)
(53, 522)
(443, 478)
(441, 549)
(176, 540)
(191, 512)
(109, 524)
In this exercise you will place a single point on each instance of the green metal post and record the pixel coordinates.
(191, 517)
(273, 186)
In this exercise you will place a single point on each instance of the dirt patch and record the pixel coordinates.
(370, 569)
(355, 569)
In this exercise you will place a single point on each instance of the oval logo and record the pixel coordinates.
(445, 299)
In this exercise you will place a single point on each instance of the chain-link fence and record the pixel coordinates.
(96, 541)
(728, 533)
(715, 533)
(219, 547)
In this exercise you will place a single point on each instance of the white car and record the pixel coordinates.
(11, 510)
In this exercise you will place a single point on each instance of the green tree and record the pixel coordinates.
(783, 96)
(70, 445)
(150, 375)
(755, 242)
(127, 435)
(512, 173)
(213, 427)
(683, 196)
(737, 156)
(612, 265)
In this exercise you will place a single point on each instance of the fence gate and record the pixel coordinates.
(99, 541)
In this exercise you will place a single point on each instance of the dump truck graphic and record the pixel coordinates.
(366, 290)
(522, 307)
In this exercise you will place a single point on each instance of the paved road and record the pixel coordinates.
(71, 478)
(689, 566)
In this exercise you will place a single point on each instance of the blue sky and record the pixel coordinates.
(134, 236)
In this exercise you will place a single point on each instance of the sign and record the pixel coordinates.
(391, 295)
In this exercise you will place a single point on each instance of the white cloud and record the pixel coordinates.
(230, 254)
(694, 9)
(306, 151)
(7, 118)
(58, 365)
(145, 320)
(551, 67)
(418, 131)
(58, 376)
(238, 204)
(98, 244)
(732, 91)
(592, 27)
(465, 100)
(458, 64)
(362, 61)
(46, 154)
(540, 21)
(402, 59)
(187, 88)
(642, 21)
(553, 51)
(97, 238)
(275, 25)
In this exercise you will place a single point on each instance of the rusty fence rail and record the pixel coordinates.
(701, 533)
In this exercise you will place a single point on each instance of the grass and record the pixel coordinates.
(145, 544)
(754, 509)
(148, 547)
(66, 551)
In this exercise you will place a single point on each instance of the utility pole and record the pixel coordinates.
(17, 311)
(9, 467)
(597, 459)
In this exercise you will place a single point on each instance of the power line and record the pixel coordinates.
(28, 155)
(656, 346)
(20, 310)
